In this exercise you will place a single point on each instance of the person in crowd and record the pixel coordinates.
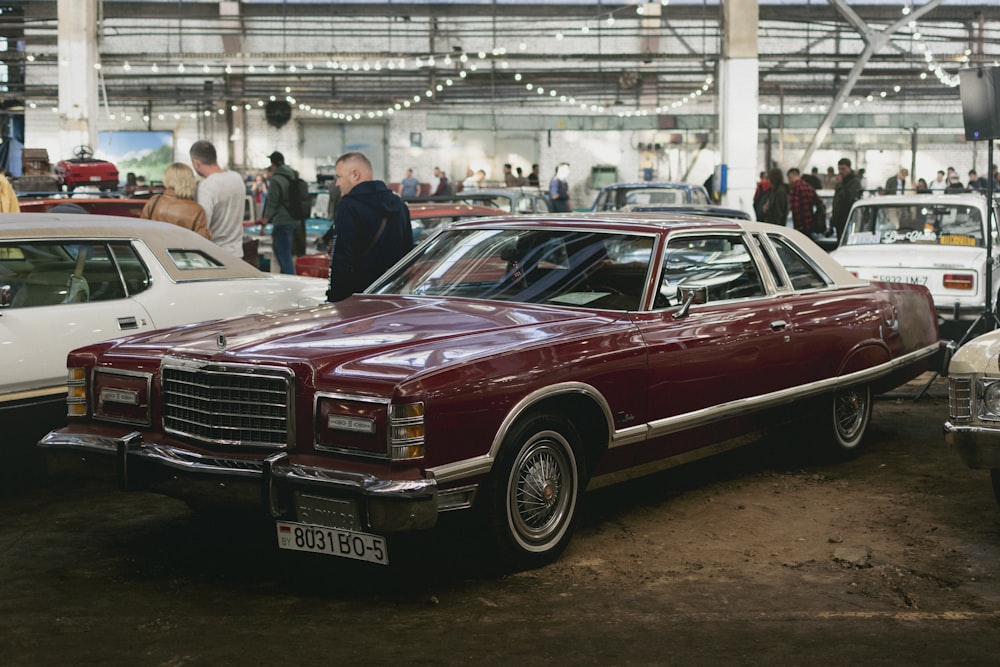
(776, 208)
(176, 203)
(940, 182)
(277, 214)
(259, 191)
(760, 195)
(221, 193)
(830, 179)
(896, 185)
(844, 195)
(8, 198)
(409, 186)
(954, 184)
(922, 187)
(372, 228)
(813, 179)
(533, 177)
(976, 182)
(519, 178)
(559, 189)
(442, 187)
(801, 201)
(474, 180)
(509, 179)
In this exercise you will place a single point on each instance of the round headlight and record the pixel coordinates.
(991, 399)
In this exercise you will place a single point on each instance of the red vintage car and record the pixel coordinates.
(85, 169)
(118, 206)
(507, 364)
(425, 217)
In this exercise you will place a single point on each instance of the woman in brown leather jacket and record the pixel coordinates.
(176, 204)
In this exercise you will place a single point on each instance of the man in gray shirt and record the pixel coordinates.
(221, 193)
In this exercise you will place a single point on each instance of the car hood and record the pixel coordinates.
(912, 256)
(369, 337)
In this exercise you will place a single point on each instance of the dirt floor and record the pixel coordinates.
(760, 556)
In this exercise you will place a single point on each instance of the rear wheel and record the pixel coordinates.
(850, 414)
(535, 491)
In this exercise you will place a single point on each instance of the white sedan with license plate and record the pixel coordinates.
(935, 240)
(69, 280)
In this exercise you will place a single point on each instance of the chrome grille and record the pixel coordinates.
(960, 398)
(227, 406)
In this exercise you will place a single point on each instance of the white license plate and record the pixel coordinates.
(333, 542)
(913, 280)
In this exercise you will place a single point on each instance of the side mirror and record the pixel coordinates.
(690, 295)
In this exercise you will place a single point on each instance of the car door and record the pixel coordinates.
(707, 362)
(61, 295)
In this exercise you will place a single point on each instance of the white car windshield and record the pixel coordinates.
(935, 224)
(574, 268)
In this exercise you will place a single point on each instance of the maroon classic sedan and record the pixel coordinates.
(506, 364)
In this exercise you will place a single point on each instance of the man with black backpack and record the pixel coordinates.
(284, 210)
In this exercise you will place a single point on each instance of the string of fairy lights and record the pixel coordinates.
(451, 69)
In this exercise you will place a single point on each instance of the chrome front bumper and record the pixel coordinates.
(979, 446)
(388, 505)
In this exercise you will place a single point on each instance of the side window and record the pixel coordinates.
(48, 274)
(134, 272)
(802, 274)
(720, 262)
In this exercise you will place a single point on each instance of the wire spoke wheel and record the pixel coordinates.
(536, 489)
(852, 410)
(540, 488)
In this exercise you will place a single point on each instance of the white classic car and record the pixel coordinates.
(935, 240)
(69, 280)
(973, 426)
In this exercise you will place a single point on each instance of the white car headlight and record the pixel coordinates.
(989, 405)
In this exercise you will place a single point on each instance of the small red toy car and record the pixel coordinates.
(85, 169)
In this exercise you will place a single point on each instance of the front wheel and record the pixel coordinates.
(535, 490)
(850, 413)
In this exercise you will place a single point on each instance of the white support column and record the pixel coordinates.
(738, 95)
(78, 98)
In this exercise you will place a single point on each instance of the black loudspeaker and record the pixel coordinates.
(980, 88)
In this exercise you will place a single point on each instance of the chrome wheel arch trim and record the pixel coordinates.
(482, 464)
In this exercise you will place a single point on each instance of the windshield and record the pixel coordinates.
(573, 268)
(935, 224)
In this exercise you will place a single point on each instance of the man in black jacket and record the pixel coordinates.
(847, 192)
(372, 228)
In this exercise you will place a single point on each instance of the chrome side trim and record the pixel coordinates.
(705, 416)
(481, 465)
(629, 436)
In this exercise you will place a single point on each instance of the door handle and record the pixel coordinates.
(778, 325)
(127, 323)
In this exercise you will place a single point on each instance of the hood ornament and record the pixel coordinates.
(220, 341)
